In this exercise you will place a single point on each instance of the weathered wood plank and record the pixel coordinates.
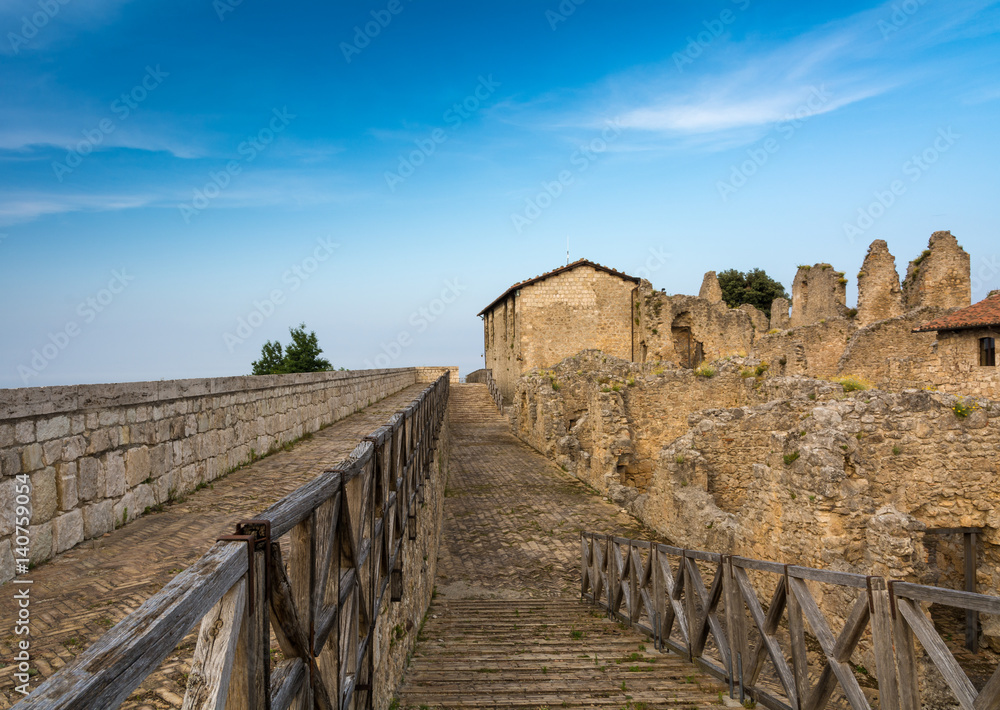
(115, 665)
(300, 504)
(208, 681)
(286, 681)
(948, 597)
(885, 661)
(946, 664)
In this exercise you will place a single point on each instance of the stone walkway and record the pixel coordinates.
(85, 591)
(507, 628)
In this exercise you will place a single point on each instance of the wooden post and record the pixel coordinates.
(736, 620)
(259, 616)
(882, 632)
(906, 659)
(971, 616)
(796, 632)
(300, 574)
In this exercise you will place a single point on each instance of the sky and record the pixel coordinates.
(182, 181)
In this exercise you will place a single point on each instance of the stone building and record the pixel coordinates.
(966, 346)
(541, 321)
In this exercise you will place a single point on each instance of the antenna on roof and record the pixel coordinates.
(567, 251)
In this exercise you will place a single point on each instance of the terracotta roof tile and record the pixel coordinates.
(984, 314)
(561, 269)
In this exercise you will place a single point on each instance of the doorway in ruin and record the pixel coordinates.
(690, 353)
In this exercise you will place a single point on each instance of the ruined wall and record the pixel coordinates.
(686, 330)
(818, 293)
(98, 455)
(890, 356)
(799, 471)
(879, 294)
(780, 319)
(710, 290)
(844, 484)
(939, 277)
(813, 349)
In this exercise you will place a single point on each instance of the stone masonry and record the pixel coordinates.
(818, 293)
(939, 277)
(879, 294)
(711, 291)
(99, 456)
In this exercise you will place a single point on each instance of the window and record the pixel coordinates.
(987, 352)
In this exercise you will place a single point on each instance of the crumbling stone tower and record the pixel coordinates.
(879, 293)
(710, 288)
(818, 293)
(939, 277)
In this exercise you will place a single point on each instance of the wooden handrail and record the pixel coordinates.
(348, 528)
(720, 624)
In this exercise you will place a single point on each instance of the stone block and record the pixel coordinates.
(114, 474)
(52, 452)
(123, 511)
(31, 458)
(710, 288)
(89, 480)
(67, 531)
(7, 507)
(66, 486)
(97, 519)
(73, 448)
(24, 432)
(44, 500)
(10, 463)
(136, 466)
(52, 428)
(6, 561)
(41, 542)
(6, 435)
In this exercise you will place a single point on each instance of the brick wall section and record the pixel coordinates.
(940, 276)
(98, 455)
(818, 293)
(558, 316)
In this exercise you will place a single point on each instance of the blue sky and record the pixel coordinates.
(181, 181)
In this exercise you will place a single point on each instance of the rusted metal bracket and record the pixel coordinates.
(253, 533)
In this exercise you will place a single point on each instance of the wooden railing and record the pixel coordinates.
(494, 390)
(784, 653)
(346, 533)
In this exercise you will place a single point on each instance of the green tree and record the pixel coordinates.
(300, 355)
(754, 287)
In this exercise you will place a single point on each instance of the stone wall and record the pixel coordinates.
(476, 377)
(813, 349)
(399, 623)
(685, 330)
(792, 469)
(97, 456)
(548, 320)
(818, 293)
(879, 293)
(940, 276)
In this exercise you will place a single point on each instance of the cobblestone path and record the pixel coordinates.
(84, 592)
(507, 628)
